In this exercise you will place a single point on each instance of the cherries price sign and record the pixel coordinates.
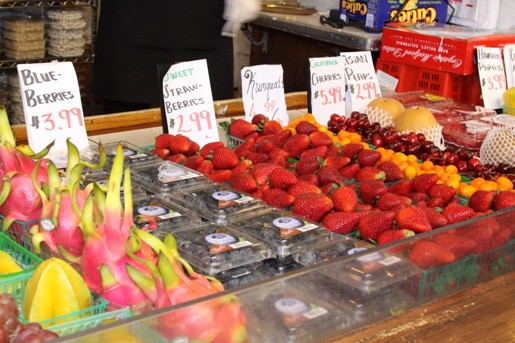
(263, 92)
(188, 102)
(492, 76)
(327, 87)
(361, 80)
(52, 105)
(509, 64)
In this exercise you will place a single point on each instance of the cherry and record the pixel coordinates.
(474, 163)
(462, 167)
(412, 138)
(363, 124)
(341, 127)
(404, 137)
(351, 122)
(355, 114)
(452, 158)
(413, 149)
(375, 126)
(362, 116)
(377, 140)
(337, 118)
(427, 146)
(421, 137)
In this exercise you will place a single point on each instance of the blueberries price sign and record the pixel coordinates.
(263, 92)
(509, 64)
(361, 80)
(188, 102)
(327, 87)
(491, 75)
(52, 105)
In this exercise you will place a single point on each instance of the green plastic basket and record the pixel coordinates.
(494, 261)
(91, 322)
(233, 142)
(18, 229)
(24, 258)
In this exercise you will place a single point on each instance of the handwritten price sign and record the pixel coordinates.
(327, 87)
(52, 105)
(263, 92)
(509, 64)
(361, 79)
(188, 102)
(492, 76)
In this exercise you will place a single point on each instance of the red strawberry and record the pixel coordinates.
(393, 235)
(241, 128)
(311, 178)
(363, 207)
(482, 200)
(435, 202)
(327, 174)
(279, 160)
(371, 190)
(342, 223)
(328, 189)
(446, 193)
(243, 166)
(504, 199)
(482, 235)
(254, 135)
(335, 161)
(302, 187)
(221, 175)
(208, 149)
(163, 141)
(205, 167)
(278, 198)
(280, 138)
(259, 119)
(418, 197)
(257, 157)
(391, 170)
(414, 219)
(334, 150)
(296, 144)
(402, 187)
(427, 254)
(264, 146)
(194, 149)
(456, 213)
(305, 127)
(435, 218)
(369, 173)
(261, 171)
(392, 202)
(500, 238)
(344, 199)
(422, 183)
(460, 246)
(320, 138)
(193, 161)
(307, 166)
(368, 157)
(224, 158)
(351, 149)
(258, 193)
(161, 153)
(271, 127)
(313, 206)
(350, 171)
(374, 223)
(282, 178)
(244, 182)
(278, 152)
(246, 147)
(314, 153)
(179, 144)
(176, 158)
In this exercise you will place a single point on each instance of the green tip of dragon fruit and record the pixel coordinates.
(6, 133)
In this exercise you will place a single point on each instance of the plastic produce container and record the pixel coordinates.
(133, 154)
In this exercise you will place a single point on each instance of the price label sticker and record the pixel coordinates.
(327, 87)
(263, 92)
(492, 76)
(361, 80)
(509, 64)
(52, 105)
(188, 102)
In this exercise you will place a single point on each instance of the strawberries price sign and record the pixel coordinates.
(263, 92)
(188, 102)
(491, 75)
(52, 105)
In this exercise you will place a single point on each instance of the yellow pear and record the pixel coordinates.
(390, 107)
(415, 119)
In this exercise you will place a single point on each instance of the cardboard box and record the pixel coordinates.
(441, 47)
(353, 10)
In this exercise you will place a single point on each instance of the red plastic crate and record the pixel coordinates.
(406, 74)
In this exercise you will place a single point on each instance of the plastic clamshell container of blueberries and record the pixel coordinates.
(132, 154)
(167, 215)
(164, 177)
(213, 248)
(284, 232)
(211, 199)
(101, 177)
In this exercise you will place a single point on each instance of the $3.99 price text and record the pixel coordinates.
(194, 122)
(64, 119)
(497, 81)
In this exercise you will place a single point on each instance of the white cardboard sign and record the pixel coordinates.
(492, 76)
(509, 64)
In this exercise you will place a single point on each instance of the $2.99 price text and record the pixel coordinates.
(365, 91)
(194, 122)
(64, 119)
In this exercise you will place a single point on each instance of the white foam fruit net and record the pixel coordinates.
(498, 147)
(377, 114)
(434, 134)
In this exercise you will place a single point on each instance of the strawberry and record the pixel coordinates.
(193, 161)
(392, 202)
(208, 149)
(246, 147)
(302, 187)
(369, 173)
(434, 202)
(224, 158)
(278, 198)
(391, 170)
(311, 178)
(257, 157)
(244, 182)
(254, 135)
(350, 171)
(456, 213)
(278, 152)
(374, 223)
(205, 167)
(504, 199)
(363, 207)
(482, 200)
(307, 166)
(163, 141)
(320, 138)
(327, 174)
(280, 138)
(313, 206)
(179, 144)
(427, 254)
(272, 127)
(342, 223)
(418, 197)
(161, 153)
(194, 149)
(221, 175)
(446, 193)
(402, 187)
(460, 246)
(263, 138)
(176, 158)
(264, 146)
(344, 199)
(258, 193)
(413, 218)
(423, 182)
(500, 238)
(482, 235)
(282, 178)
(329, 188)
(371, 190)
(368, 157)
(240, 128)
(296, 144)
(279, 160)
(435, 218)
(243, 166)
(334, 150)
(351, 149)
(314, 153)
(336, 161)
(259, 119)
(393, 235)
(305, 127)
(261, 171)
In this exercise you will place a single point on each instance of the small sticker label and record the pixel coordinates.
(389, 260)
(47, 224)
(291, 306)
(356, 250)
(316, 312)
(221, 239)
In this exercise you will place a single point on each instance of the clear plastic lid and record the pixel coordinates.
(212, 199)
(213, 248)
(101, 177)
(132, 154)
(284, 232)
(163, 177)
(278, 267)
(247, 276)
